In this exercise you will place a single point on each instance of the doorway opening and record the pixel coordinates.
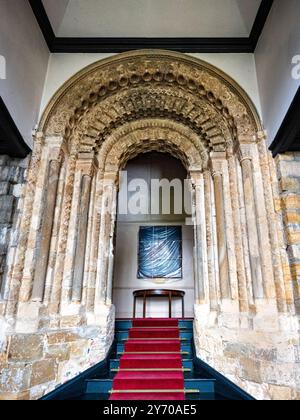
(154, 240)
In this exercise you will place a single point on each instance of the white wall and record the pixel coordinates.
(126, 281)
(278, 44)
(26, 55)
(241, 67)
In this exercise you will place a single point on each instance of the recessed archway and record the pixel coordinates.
(105, 115)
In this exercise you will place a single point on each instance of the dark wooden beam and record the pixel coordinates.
(44, 22)
(260, 21)
(119, 45)
(11, 140)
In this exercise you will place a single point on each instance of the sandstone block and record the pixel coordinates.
(62, 337)
(78, 349)
(4, 188)
(280, 393)
(6, 208)
(26, 347)
(14, 396)
(59, 352)
(71, 321)
(234, 350)
(43, 371)
(15, 378)
(250, 370)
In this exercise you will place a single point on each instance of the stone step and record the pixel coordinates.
(201, 388)
(126, 324)
(184, 334)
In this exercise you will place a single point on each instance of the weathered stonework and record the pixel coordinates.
(12, 179)
(37, 363)
(57, 313)
(288, 170)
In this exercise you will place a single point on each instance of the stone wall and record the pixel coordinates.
(264, 361)
(260, 350)
(288, 170)
(32, 365)
(36, 357)
(12, 178)
(57, 312)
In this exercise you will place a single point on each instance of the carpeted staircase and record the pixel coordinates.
(151, 366)
(151, 359)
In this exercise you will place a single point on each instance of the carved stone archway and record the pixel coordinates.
(59, 281)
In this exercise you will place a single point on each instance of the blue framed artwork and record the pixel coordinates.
(160, 252)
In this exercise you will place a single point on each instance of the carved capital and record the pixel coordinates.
(244, 153)
(196, 178)
(87, 164)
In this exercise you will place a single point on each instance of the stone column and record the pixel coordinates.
(14, 278)
(62, 236)
(241, 272)
(55, 232)
(200, 235)
(107, 219)
(37, 253)
(251, 217)
(213, 295)
(284, 291)
(89, 240)
(96, 223)
(195, 250)
(111, 257)
(82, 227)
(43, 250)
(217, 162)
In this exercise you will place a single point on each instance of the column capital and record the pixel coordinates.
(38, 136)
(110, 178)
(216, 167)
(244, 152)
(54, 146)
(261, 136)
(87, 163)
(196, 177)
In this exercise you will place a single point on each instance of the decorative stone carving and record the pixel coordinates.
(112, 111)
(185, 81)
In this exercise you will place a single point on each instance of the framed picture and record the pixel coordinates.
(160, 252)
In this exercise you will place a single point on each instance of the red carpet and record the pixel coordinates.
(152, 346)
(155, 322)
(154, 333)
(148, 361)
(154, 396)
(151, 368)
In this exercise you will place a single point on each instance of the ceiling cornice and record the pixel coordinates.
(118, 45)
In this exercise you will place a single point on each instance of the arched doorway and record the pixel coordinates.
(154, 237)
(60, 279)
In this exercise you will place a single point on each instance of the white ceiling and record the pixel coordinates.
(152, 18)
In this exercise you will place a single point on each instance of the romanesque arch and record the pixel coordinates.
(60, 277)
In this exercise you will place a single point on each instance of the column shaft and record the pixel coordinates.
(255, 262)
(109, 195)
(14, 279)
(213, 298)
(63, 235)
(43, 250)
(221, 236)
(80, 248)
(242, 280)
